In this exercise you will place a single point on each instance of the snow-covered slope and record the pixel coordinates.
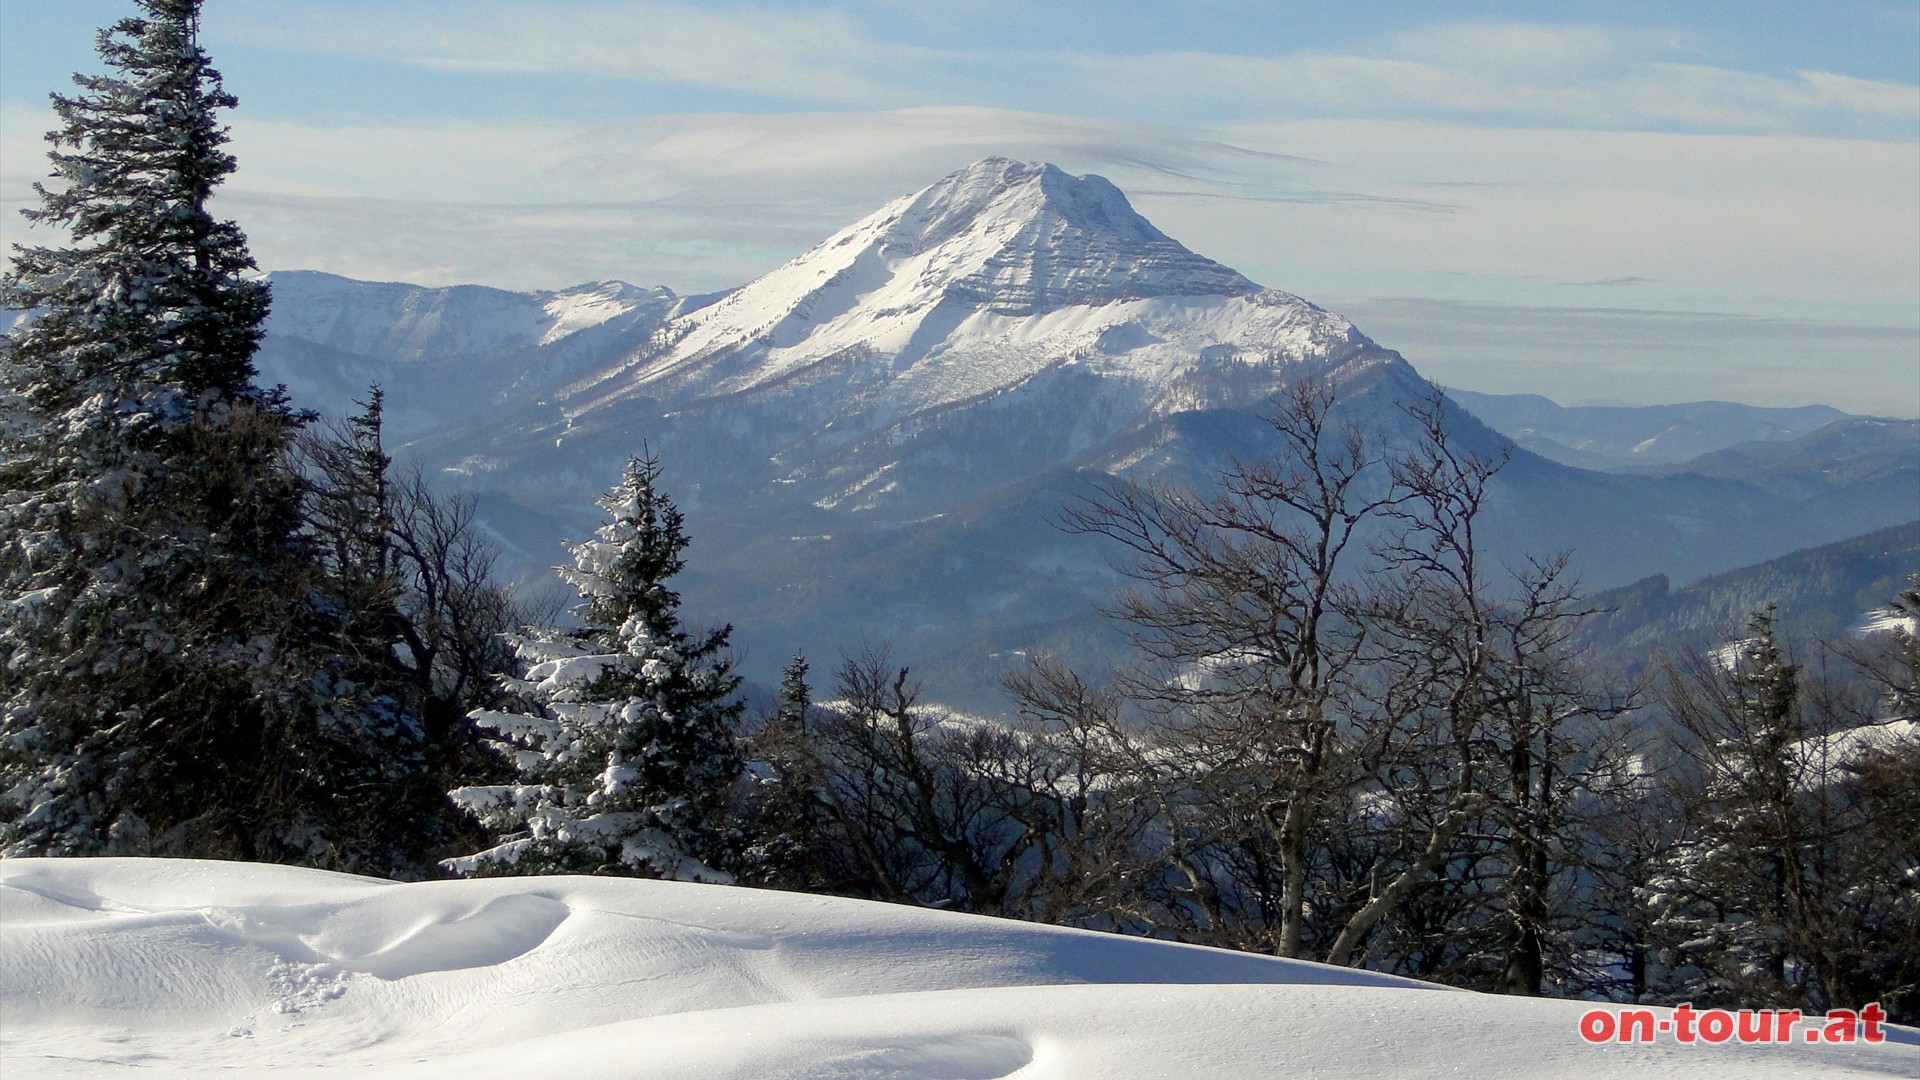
(155, 968)
(407, 323)
(443, 354)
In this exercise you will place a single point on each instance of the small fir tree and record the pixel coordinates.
(1902, 678)
(350, 513)
(795, 697)
(623, 743)
(788, 824)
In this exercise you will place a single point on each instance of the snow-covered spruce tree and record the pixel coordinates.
(164, 686)
(624, 739)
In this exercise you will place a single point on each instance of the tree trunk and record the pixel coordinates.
(1293, 888)
(1348, 940)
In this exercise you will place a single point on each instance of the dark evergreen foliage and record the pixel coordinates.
(419, 617)
(1792, 880)
(787, 843)
(170, 684)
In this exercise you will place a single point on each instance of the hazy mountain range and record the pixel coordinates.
(1828, 593)
(1630, 437)
(871, 441)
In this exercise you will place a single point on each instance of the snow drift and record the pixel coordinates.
(179, 968)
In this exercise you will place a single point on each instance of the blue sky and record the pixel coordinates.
(1627, 202)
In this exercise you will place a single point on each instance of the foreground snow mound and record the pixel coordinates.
(177, 968)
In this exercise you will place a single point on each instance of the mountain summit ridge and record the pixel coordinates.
(983, 281)
(1045, 239)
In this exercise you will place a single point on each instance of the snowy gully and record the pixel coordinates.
(1715, 1026)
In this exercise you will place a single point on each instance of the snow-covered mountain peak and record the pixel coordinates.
(596, 303)
(1024, 238)
(1010, 193)
(969, 287)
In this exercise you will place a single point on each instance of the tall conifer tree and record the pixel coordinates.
(788, 848)
(164, 686)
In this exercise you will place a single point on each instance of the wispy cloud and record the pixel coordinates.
(707, 201)
(1504, 71)
(695, 201)
(1459, 161)
(1518, 73)
(1787, 223)
(1778, 223)
(815, 55)
(1305, 197)
(1570, 328)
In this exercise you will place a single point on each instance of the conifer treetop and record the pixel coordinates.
(621, 573)
(153, 291)
(184, 679)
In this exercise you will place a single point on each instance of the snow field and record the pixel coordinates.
(166, 968)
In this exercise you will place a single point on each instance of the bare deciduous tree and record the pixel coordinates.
(1242, 613)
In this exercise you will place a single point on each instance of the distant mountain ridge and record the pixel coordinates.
(1619, 437)
(442, 353)
(870, 441)
(1836, 456)
(409, 323)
